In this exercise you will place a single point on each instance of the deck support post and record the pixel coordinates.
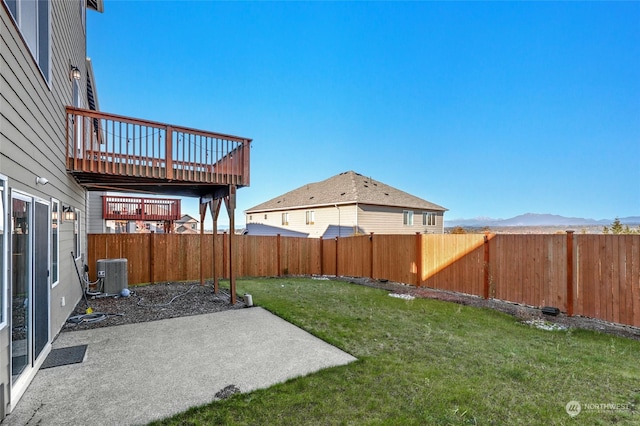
(230, 202)
(214, 205)
(203, 215)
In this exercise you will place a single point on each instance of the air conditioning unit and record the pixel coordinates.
(114, 275)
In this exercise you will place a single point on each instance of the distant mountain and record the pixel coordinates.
(536, 219)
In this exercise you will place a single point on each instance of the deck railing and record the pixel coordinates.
(110, 144)
(132, 208)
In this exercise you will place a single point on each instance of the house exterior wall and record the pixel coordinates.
(341, 220)
(389, 220)
(95, 222)
(33, 143)
(326, 222)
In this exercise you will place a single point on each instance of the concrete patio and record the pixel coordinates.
(137, 373)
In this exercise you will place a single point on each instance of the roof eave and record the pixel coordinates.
(97, 5)
(343, 203)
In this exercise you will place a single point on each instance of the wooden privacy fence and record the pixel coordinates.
(596, 276)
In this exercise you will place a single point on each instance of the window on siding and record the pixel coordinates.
(285, 218)
(428, 219)
(407, 217)
(311, 217)
(32, 17)
(265, 217)
(55, 240)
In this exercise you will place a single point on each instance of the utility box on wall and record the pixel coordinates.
(114, 275)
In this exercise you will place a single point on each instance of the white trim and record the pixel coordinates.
(4, 223)
(57, 222)
(76, 234)
(26, 377)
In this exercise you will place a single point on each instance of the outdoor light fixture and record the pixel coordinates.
(75, 73)
(41, 180)
(68, 213)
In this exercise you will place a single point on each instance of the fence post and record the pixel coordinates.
(487, 258)
(278, 255)
(371, 255)
(152, 256)
(321, 255)
(569, 273)
(224, 255)
(418, 259)
(336, 257)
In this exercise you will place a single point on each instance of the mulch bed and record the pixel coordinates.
(150, 303)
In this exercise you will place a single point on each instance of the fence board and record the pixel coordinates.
(527, 269)
(329, 266)
(394, 257)
(453, 262)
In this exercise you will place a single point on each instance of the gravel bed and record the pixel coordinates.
(150, 303)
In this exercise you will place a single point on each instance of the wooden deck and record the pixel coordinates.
(146, 209)
(117, 153)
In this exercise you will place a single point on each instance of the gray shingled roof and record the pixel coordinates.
(346, 188)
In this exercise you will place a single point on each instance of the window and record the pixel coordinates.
(265, 217)
(311, 216)
(32, 17)
(285, 218)
(55, 240)
(76, 234)
(407, 217)
(429, 219)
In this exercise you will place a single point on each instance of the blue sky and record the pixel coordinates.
(486, 108)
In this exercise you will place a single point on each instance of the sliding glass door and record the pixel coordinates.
(21, 252)
(30, 219)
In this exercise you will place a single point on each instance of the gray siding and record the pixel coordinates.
(32, 139)
(95, 223)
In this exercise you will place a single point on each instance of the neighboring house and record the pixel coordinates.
(344, 205)
(187, 225)
(110, 213)
(55, 146)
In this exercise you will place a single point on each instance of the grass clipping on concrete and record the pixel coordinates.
(429, 362)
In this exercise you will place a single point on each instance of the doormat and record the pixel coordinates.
(65, 356)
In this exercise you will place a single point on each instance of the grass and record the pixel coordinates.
(430, 362)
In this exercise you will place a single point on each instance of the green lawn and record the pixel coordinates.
(429, 362)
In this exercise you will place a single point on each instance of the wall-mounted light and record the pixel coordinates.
(41, 180)
(74, 73)
(68, 213)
